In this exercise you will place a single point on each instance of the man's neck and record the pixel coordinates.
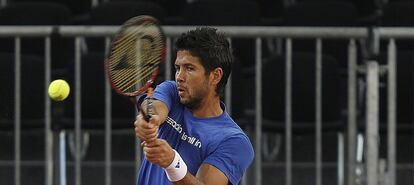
(209, 107)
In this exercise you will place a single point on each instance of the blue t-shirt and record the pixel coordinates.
(217, 141)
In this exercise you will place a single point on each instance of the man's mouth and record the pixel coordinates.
(180, 90)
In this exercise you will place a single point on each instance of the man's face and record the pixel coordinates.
(192, 82)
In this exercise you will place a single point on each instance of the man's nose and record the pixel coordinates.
(179, 76)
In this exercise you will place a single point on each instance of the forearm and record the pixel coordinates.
(206, 175)
(188, 179)
(159, 108)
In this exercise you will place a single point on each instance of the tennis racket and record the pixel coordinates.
(134, 58)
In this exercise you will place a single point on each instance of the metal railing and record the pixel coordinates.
(259, 34)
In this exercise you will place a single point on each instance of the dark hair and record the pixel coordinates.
(212, 48)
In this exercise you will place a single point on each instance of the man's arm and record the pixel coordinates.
(147, 131)
(160, 152)
(159, 108)
(206, 175)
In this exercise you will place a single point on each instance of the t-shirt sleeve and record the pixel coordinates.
(232, 157)
(167, 93)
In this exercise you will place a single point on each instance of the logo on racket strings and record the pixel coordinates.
(123, 64)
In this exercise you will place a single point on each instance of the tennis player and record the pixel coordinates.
(191, 139)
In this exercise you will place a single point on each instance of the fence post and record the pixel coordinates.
(17, 110)
(48, 127)
(392, 120)
(108, 123)
(352, 108)
(288, 113)
(372, 133)
(258, 143)
(78, 112)
(318, 112)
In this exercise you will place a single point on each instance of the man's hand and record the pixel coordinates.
(158, 152)
(147, 131)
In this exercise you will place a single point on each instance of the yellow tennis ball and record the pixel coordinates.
(59, 90)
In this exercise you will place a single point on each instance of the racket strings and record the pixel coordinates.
(131, 80)
(131, 65)
(145, 70)
(124, 45)
(152, 61)
(126, 40)
(127, 62)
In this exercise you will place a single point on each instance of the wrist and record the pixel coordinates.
(177, 169)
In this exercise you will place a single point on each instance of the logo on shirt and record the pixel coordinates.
(184, 136)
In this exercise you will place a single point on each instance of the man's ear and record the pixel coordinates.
(216, 75)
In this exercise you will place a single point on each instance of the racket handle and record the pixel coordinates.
(149, 111)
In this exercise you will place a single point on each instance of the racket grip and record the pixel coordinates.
(149, 111)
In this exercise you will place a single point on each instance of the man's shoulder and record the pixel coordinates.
(235, 134)
(230, 131)
(232, 127)
(168, 83)
(166, 86)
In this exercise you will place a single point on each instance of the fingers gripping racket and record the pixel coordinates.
(135, 55)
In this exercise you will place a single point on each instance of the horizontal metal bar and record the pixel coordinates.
(70, 163)
(25, 31)
(311, 165)
(41, 163)
(295, 32)
(88, 31)
(396, 32)
(231, 31)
